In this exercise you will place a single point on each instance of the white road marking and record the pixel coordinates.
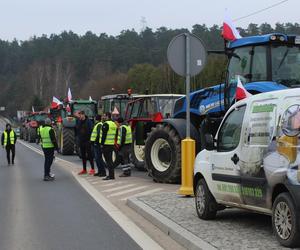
(111, 184)
(118, 188)
(127, 191)
(95, 182)
(143, 193)
(140, 237)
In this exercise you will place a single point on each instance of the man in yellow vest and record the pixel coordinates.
(95, 141)
(49, 144)
(108, 139)
(124, 146)
(8, 141)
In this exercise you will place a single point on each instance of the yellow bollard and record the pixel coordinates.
(187, 166)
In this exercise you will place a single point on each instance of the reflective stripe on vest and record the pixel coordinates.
(128, 138)
(45, 136)
(94, 132)
(11, 137)
(111, 133)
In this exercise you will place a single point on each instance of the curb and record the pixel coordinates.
(176, 232)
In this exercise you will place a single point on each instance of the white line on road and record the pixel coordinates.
(111, 184)
(127, 191)
(118, 188)
(140, 237)
(143, 193)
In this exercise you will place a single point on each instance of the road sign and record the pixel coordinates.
(177, 54)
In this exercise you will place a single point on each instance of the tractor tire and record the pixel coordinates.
(32, 135)
(21, 133)
(67, 141)
(163, 154)
(138, 156)
(25, 135)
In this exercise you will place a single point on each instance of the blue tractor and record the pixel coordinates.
(263, 63)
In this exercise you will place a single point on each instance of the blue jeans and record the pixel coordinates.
(98, 158)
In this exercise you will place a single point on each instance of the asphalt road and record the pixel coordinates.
(51, 215)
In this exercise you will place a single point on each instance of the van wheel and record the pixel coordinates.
(284, 221)
(206, 204)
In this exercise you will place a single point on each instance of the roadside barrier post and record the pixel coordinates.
(187, 166)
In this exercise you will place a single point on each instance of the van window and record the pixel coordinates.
(230, 132)
(262, 123)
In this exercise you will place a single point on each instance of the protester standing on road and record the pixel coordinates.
(124, 146)
(83, 132)
(49, 144)
(109, 132)
(8, 141)
(95, 141)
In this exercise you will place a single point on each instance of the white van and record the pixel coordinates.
(253, 163)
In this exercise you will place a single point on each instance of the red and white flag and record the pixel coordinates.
(229, 32)
(55, 102)
(69, 95)
(241, 92)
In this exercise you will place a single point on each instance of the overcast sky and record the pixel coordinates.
(21, 19)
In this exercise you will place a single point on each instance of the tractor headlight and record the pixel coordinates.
(281, 38)
(273, 38)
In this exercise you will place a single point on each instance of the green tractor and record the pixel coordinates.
(66, 123)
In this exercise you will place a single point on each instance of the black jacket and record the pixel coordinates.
(83, 130)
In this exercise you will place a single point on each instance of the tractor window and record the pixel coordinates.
(259, 66)
(239, 63)
(149, 107)
(88, 108)
(230, 132)
(286, 65)
(166, 106)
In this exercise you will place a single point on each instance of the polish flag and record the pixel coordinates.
(55, 102)
(69, 95)
(241, 92)
(229, 32)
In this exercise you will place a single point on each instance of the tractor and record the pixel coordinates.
(28, 132)
(143, 113)
(66, 123)
(263, 63)
(109, 103)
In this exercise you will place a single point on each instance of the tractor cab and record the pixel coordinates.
(109, 103)
(88, 106)
(263, 63)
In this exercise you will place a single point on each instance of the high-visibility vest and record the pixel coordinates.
(45, 136)
(111, 133)
(94, 132)
(128, 138)
(11, 137)
(38, 130)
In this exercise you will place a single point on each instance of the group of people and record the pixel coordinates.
(95, 142)
(101, 140)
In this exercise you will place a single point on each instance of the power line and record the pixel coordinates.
(261, 10)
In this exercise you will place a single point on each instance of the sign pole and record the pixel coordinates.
(187, 145)
(188, 83)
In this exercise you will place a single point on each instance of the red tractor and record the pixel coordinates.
(31, 124)
(143, 113)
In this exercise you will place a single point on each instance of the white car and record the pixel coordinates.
(253, 163)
